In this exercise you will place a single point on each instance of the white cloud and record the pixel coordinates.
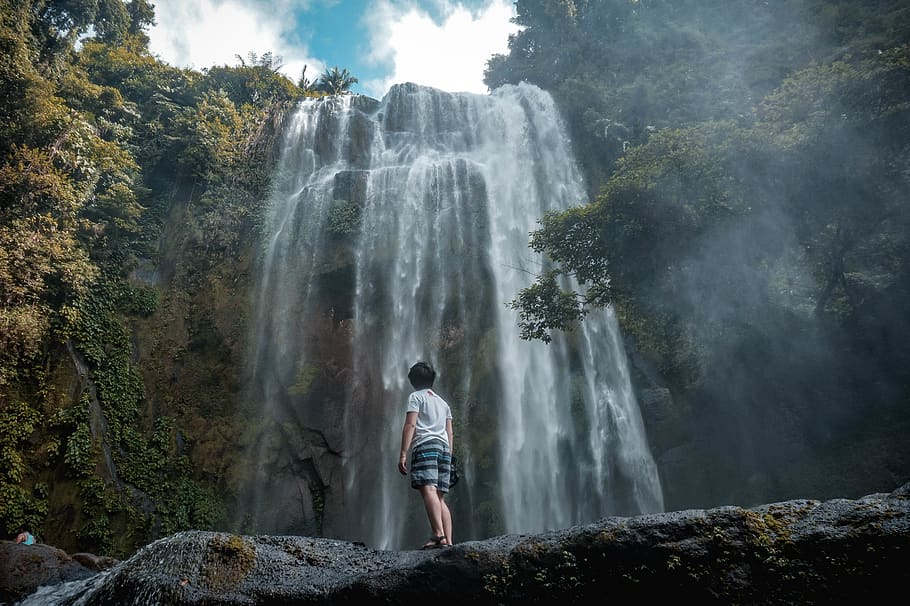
(401, 36)
(201, 33)
(451, 56)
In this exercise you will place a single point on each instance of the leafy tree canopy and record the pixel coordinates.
(336, 81)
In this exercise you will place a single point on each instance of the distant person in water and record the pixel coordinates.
(25, 537)
(428, 434)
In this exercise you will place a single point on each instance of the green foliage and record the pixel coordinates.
(211, 128)
(80, 454)
(142, 462)
(99, 500)
(852, 241)
(570, 238)
(41, 258)
(17, 422)
(94, 143)
(336, 81)
(304, 83)
(22, 331)
(665, 196)
(131, 70)
(259, 83)
(71, 420)
(19, 506)
(190, 505)
(544, 306)
(139, 300)
(22, 508)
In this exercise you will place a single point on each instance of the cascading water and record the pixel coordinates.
(398, 231)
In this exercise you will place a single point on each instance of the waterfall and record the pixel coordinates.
(397, 231)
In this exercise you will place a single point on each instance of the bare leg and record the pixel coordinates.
(431, 503)
(446, 518)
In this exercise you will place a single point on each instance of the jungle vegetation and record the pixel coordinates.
(101, 146)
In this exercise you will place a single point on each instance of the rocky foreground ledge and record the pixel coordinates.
(795, 552)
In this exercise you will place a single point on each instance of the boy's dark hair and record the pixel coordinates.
(422, 375)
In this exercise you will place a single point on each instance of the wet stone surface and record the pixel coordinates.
(800, 551)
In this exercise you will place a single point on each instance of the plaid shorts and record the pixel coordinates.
(431, 465)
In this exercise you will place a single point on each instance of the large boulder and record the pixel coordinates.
(795, 552)
(24, 568)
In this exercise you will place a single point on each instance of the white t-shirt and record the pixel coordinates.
(432, 413)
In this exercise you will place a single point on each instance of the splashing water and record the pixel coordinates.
(398, 231)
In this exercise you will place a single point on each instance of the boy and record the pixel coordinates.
(428, 429)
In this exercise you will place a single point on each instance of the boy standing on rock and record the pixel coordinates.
(428, 429)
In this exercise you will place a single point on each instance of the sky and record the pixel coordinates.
(440, 43)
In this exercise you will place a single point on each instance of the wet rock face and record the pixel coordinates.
(665, 420)
(795, 552)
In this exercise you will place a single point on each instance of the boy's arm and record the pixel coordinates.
(451, 434)
(407, 432)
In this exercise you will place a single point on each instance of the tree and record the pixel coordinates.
(142, 16)
(304, 83)
(268, 60)
(255, 81)
(336, 81)
(844, 125)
